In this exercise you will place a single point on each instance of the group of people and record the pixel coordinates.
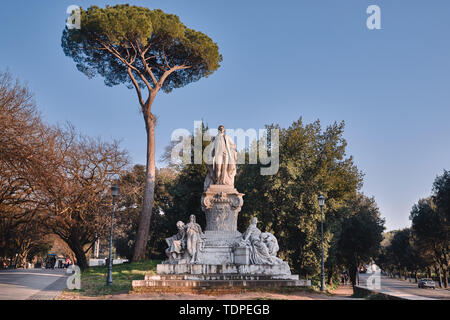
(51, 262)
(345, 278)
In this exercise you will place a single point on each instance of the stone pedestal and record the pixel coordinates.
(218, 247)
(222, 262)
(276, 271)
(242, 255)
(221, 205)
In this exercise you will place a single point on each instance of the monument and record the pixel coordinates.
(221, 255)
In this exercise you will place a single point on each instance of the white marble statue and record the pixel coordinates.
(177, 244)
(263, 245)
(194, 239)
(223, 160)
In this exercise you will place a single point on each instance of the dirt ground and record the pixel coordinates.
(342, 293)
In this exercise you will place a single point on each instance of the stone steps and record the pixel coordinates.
(217, 269)
(207, 277)
(220, 283)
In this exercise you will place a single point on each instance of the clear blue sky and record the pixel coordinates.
(282, 60)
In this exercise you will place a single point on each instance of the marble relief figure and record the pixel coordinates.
(177, 244)
(195, 239)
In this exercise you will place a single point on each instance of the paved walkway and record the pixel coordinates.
(31, 284)
(406, 290)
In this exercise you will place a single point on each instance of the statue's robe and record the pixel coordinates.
(222, 169)
(263, 246)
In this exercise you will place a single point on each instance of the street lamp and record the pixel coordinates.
(321, 200)
(115, 192)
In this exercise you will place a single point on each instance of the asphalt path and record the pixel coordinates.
(32, 284)
(406, 289)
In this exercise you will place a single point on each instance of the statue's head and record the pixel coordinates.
(254, 221)
(192, 218)
(221, 129)
(180, 225)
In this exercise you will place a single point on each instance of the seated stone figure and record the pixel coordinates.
(177, 245)
(263, 245)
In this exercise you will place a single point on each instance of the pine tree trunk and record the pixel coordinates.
(440, 277)
(352, 270)
(146, 213)
(437, 271)
(445, 278)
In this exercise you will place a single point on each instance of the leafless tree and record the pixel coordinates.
(77, 193)
(25, 142)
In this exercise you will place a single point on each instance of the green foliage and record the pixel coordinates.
(93, 280)
(424, 246)
(127, 31)
(361, 234)
(177, 195)
(431, 230)
(187, 190)
(441, 190)
(311, 161)
(362, 231)
(132, 191)
(406, 250)
(427, 224)
(141, 48)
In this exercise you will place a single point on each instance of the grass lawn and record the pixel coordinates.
(93, 285)
(93, 280)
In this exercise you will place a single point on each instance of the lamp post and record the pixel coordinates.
(115, 192)
(321, 200)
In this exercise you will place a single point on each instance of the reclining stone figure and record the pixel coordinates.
(263, 245)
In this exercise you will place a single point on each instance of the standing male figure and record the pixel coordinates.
(224, 157)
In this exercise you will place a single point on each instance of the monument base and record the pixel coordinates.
(218, 247)
(221, 276)
(221, 256)
(281, 271)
